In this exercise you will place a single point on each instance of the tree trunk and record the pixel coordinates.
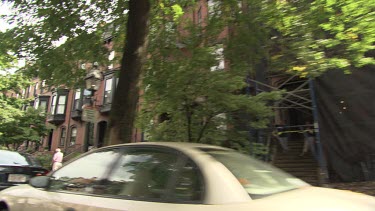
(124, 106)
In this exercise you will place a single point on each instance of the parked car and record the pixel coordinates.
(17, 168)
(174, 176)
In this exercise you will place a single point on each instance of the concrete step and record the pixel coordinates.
(304, 168)
(294, 164)
(310, 170)
(286, 156)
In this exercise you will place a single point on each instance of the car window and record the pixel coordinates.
(143, 174)
(86, 174)
(13, 158)
(259, 179)
(189, 185)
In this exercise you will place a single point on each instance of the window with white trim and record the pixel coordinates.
(62, 136)
(53, 104)
(61, 105)
(108, 91)
(77, 100)
(73, 136)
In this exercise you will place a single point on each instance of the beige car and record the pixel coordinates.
(175, 176)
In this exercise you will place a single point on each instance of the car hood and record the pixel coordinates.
(304, 199)
(317, 199)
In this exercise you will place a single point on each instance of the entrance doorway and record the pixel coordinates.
(102, 127)
(50, 135)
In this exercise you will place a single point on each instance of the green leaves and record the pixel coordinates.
(336, 34)
(56, 37)
(27, 125)
(17, 126)
(189, 95)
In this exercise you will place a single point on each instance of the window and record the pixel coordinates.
(145, 174)
(213, 8)
(110, 83)
(199, 14)
(111, 56)
(58, 103)
(35, 89)
(62, 136)
(77, 100)
(152, 174)
(142, 174)
(73, 136)
(23, 93)
(108, 91)
(220, 63)
(36, 105)
(42, 85)
(257, 178)
(189, 184)
(28, 92)
(84, 176)
(41, 102)
(53, 104)
(61, 105)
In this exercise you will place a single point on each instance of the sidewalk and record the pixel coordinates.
(360, 187)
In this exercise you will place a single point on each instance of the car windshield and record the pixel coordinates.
(259, 179)
(15, 158)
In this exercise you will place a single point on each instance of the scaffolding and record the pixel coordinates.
(300, 96)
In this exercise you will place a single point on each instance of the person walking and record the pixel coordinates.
(282, 136)
(57, 159)
(309, 141)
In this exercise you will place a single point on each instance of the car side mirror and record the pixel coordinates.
(39, 182)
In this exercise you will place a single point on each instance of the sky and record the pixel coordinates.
(4, 10)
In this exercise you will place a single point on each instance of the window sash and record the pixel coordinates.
(78, 94)
(108, 91)
(77, 99)
(62, 136)
(53, 104)
(73, 136)
(108, 85)
(61, 105)
(43, 104)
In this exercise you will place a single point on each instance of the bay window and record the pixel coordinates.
(58, 106)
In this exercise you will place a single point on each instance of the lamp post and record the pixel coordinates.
(92, 84)
(93, 78)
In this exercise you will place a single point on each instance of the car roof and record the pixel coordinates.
(8, 151)
(175, 145)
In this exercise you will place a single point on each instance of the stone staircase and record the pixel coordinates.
(305, 167)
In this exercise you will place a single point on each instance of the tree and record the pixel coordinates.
(28, 127)
(9, 106)
(40, 32)
(127, 95)
(189, 96)
(302, 37)
(322, 35)
(17, 126)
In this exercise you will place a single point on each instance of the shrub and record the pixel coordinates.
(45, 160)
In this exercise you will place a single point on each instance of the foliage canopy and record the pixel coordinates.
(189, 95)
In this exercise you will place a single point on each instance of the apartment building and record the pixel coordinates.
(77, 119)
